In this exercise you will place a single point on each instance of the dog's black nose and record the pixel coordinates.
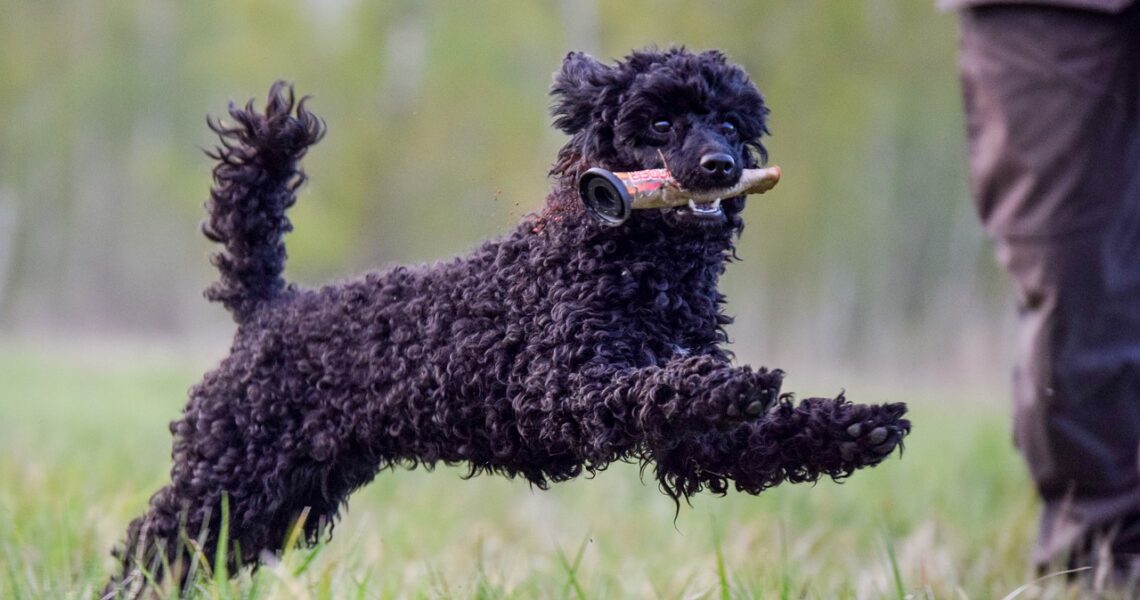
(718, 163)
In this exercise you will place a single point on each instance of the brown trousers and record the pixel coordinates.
(1052, 100)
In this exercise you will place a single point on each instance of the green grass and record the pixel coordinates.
(83, 443)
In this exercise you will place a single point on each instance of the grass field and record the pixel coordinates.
(83, 443)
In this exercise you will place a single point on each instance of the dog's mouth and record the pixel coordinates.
(704, 210)
(703, 215)
(713, 207)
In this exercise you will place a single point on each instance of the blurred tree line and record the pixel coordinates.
(867, 254)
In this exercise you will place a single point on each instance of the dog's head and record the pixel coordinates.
(696, 114)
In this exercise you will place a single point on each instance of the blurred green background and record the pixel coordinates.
(866, 259)
(865, 269)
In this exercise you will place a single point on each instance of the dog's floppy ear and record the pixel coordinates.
(575, 90)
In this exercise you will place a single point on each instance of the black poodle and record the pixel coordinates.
(557, 349)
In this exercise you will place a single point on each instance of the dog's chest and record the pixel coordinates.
(670, 309)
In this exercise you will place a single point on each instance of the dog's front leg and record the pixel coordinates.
(791, 443)
(615, 412)
(705, 424)
(696, 393)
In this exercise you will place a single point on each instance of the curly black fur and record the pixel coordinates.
(554, 350)
(256, 179)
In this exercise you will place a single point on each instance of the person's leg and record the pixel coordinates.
(1076, 386)
(1052, 101)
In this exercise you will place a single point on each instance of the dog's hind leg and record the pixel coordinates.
(152, 546)
(257, 452)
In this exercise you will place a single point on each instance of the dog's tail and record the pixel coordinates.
(255, 182)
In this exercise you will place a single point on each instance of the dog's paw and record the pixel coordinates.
(870, 440)
(753, 394)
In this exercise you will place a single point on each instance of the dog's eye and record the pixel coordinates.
(728, 129)
(662, 125)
